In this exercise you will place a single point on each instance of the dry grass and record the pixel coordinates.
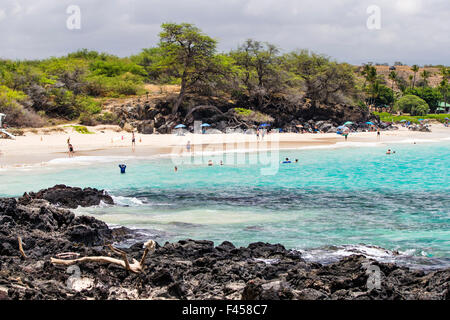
(405, 72)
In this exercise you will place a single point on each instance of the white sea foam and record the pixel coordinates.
(86, 160)
(415, 141)
(127, 201)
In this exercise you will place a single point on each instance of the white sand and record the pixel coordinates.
(40, 147)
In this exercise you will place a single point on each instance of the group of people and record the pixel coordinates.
(286, 161)
(260, 133)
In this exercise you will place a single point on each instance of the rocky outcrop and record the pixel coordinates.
(154, 116)
(188, 269)
(70, 197)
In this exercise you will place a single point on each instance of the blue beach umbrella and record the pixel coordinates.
(180, 126)
(370, 122)
(265, 125)
(347, 123)
(206, 125)
(421, 119)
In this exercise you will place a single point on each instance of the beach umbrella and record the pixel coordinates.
(265, 125)
(206, 125)
(180, 126)
(347, 123)
(370, 122)
(403, 120)
(446, 118)
(421, 119)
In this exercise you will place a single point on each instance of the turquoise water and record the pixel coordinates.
(332, 203)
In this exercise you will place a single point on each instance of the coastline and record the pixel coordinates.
(36, 251)
(106, 141)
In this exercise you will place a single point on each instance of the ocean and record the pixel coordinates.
(334, 202)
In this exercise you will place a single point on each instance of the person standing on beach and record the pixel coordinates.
(378, 134)
(71, 152)
(188, 146)
(257, 134)
(133, 141)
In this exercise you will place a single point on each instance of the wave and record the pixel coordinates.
(409, 258)
(89, 160)
(127, 201)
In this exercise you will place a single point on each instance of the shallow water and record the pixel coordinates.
(334, 202)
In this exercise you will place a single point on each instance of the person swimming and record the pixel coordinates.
(296, 160)
(176, 169)
(210, 163)
(286, 161)
(389, 151)
(122, 168)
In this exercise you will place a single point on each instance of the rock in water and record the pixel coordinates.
(70, 197)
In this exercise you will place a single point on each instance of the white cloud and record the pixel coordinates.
(411, 31)
(2, 14)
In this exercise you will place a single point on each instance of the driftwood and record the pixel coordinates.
(19, 239)
(135, 266)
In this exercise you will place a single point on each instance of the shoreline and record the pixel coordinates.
(33, 150)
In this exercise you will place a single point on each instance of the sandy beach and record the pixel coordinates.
(40, 146)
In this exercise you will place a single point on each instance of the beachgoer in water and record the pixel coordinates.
(296, 160)
(122, 168)
(210, 163)
(221, 162)
(389, 151)
(176, 169)
(286, 161)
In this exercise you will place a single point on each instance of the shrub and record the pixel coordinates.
(87, 119)
(17, 114)
(107, 118)
(420, 110)
(411, 104)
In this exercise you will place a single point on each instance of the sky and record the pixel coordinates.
(354, 31)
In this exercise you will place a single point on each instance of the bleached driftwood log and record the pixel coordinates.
(19, 239)
(135, 266)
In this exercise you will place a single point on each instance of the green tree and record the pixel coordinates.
(432, 96)
(383, 95)
(415, 69)
(188, 53)
(425, 75)
(412, 104)
(325, 81)
(393, 77)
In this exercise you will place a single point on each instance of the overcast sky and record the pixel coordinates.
(412, 31)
